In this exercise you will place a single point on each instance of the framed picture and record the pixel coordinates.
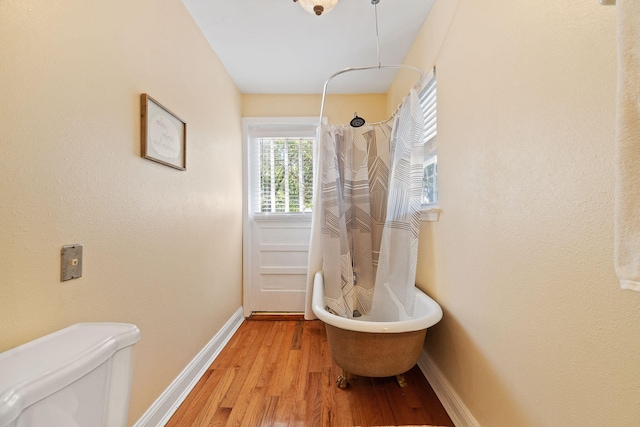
(164, 135)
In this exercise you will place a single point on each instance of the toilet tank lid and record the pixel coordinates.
(43, 366)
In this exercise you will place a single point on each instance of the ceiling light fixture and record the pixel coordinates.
(317, 7)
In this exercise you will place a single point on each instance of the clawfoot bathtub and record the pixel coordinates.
(377, 348)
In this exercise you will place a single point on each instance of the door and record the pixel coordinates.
(277, 223)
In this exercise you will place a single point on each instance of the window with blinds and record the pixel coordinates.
(279, 164)
(429, 109)
(285, 174)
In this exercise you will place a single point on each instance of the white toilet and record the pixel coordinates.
(76, 377)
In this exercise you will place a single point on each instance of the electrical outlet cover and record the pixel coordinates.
(71, 262)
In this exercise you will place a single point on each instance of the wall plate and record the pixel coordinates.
(71, 262)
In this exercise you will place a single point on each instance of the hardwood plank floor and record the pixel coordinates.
(280, 373)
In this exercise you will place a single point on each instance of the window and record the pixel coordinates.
(430, 181)
(285, 174)
(430, 177)
(279, 162)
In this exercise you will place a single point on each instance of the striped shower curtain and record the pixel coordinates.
(367, 214)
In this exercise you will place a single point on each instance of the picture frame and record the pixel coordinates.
(163, 134)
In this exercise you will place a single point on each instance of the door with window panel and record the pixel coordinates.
(278, 216)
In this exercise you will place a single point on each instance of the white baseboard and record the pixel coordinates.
(455, 407)
(168, 402)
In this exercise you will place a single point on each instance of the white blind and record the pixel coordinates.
(281, 165)
(428, 104)
(284, 175)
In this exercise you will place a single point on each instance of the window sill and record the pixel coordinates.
(297, 216)
(430, 214)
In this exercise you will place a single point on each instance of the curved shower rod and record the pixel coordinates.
(369, 67)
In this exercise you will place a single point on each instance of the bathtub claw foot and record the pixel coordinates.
(341, 382)
(402, 382)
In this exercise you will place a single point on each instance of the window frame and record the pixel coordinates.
(429, 107)
(273, 127)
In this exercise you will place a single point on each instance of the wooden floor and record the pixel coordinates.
(280, 373)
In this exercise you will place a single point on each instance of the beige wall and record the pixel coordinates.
(536, 331)
(338, 109)
(162, 248)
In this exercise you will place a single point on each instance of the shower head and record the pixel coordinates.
(356, 122)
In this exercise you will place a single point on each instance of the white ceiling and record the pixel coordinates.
(276, 47)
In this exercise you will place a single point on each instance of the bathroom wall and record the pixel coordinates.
(162, 247)
(338, 109)
(536, 331)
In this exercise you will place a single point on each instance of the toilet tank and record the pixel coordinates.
(79, 376)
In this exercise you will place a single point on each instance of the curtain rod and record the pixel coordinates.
(370, 67)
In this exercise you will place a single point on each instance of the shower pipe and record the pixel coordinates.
(370, 67)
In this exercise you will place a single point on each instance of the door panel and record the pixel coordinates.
(280, 246)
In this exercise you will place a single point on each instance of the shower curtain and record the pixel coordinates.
(366, 214)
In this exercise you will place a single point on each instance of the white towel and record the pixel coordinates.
(627, 190)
